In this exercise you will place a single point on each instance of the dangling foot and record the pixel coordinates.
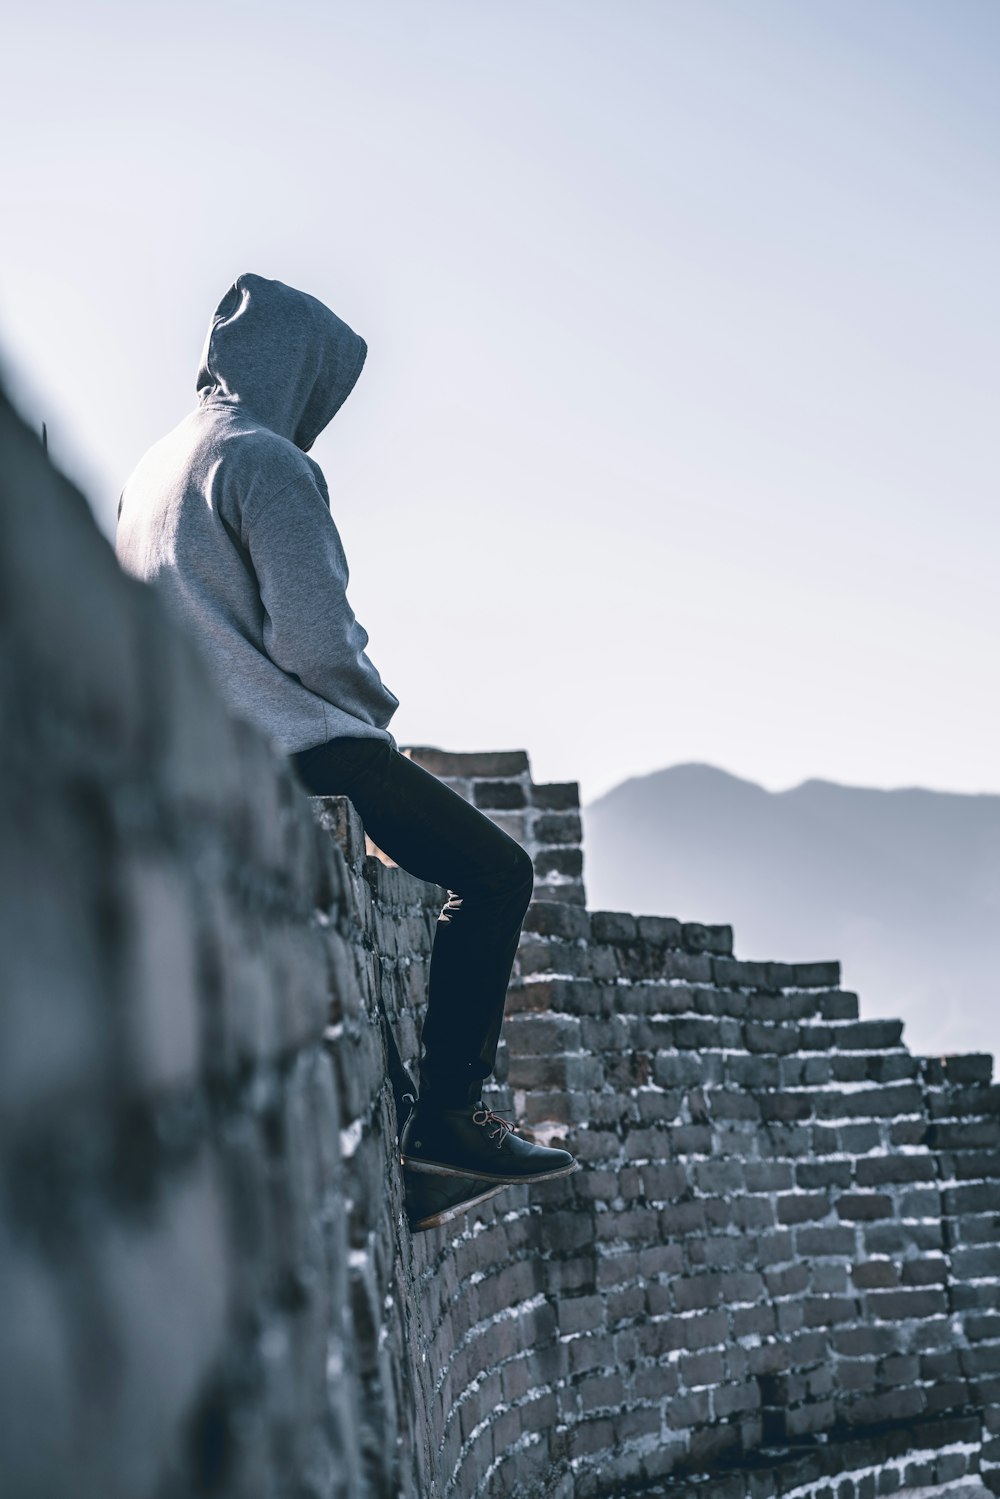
(476, 1141)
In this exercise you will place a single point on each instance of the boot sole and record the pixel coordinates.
(435, 1220)
(436, 1168)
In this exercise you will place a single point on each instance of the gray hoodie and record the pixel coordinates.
(230, 521)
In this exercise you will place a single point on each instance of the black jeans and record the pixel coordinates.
(435, 834)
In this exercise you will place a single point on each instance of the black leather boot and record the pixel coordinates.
(475, 1141)
(435, 1200)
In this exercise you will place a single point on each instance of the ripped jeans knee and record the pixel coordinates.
(506, 890)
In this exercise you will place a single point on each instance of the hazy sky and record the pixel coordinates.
(677, 434)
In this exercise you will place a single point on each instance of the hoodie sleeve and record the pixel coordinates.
(310, 630)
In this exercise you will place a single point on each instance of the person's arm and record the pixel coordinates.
(310, 630)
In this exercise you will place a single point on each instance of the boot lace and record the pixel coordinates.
(486, 1117)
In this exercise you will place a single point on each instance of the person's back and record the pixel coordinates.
(229, 519)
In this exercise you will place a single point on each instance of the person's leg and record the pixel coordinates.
(435, 834)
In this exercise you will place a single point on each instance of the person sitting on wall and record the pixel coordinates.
(229, 519)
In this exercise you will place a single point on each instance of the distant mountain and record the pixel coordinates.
(903, 887)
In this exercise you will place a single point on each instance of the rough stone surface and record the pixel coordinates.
(776, 1273)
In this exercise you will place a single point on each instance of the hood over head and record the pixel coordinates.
(281, 354)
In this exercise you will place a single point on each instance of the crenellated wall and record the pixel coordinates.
(777, 1273)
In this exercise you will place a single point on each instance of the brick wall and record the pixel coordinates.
(777, 1272)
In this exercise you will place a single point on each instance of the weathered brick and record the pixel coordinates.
(557, 827)
(556, 795)
(897, 1304)
(817, 975)
(854, 1205)
(780, 1039)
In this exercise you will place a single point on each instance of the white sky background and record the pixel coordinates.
(677, 434)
